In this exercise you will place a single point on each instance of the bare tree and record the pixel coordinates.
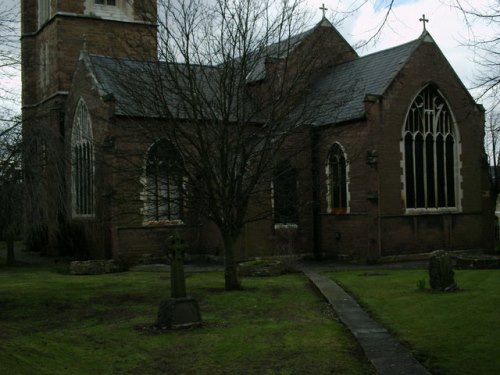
(492, 144)
(229, 82)
(9, 57)
(486, 47)
(228, 148)
(10, 130)
(11, 211)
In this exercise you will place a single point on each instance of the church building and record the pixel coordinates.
(392, 159)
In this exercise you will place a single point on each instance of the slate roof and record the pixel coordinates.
(273, 51)
(339, 95)
(135, 87)
(281, 50)
(336, 96)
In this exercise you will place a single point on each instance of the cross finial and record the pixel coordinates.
(424, 21)
(324, 10)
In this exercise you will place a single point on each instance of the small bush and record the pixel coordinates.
(421, 285)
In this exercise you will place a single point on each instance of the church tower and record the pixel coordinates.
(53, 32)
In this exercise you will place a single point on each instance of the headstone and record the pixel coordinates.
(441, 275)
(179, 311)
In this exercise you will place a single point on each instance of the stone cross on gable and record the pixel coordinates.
(424, 21)
(323, 9)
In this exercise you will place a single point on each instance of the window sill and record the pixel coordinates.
(285, 226)
(159, 223)
(83, 217)
(431, 211)
(338, 211)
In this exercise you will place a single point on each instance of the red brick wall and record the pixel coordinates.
(379, 226)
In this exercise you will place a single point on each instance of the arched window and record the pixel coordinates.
(82, 162)
(163, 190)
(336, 173)
(430, 153)
(285, 193)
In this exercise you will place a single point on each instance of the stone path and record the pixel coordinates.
(382, 349)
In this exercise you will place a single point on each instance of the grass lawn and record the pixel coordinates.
(53, 323)
(451, 333)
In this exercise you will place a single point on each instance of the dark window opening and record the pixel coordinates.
(285, 194)
(337, 180)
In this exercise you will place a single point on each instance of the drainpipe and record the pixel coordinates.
(313, 137)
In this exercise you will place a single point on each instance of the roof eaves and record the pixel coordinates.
(347, 121)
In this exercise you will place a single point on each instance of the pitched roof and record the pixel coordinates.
(281, 49)
(145, 88)
(336, 96)
(339, 95)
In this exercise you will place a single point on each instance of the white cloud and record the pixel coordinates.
(445, 24)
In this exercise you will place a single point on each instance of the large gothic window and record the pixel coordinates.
(82, 163)
(430, 153)
(163, 183)
(285, 193)
(336, 172)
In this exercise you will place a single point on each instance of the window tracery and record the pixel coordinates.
(430, 153)
(163, 184)
(82, 162)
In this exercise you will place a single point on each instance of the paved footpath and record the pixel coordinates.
(383, 350)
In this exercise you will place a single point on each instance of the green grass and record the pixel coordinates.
(53, 323)
(452, 333)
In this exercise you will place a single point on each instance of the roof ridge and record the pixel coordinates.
(392, 48)
(127, 59)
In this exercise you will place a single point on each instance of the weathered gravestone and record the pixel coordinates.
(180, 310)
(441, 275)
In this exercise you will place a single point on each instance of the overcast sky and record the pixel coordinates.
(445, 25)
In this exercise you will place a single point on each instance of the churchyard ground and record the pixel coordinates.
(55, 323)
(450, 333)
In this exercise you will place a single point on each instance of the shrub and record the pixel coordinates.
(421, 285)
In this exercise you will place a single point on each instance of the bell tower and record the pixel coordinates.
(53, 32)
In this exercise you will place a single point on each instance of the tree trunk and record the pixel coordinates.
(230, 268)
(11, 259)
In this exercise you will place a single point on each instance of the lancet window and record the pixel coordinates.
(336, 172)
(82, 163)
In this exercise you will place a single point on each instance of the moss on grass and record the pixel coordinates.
(51, 323)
